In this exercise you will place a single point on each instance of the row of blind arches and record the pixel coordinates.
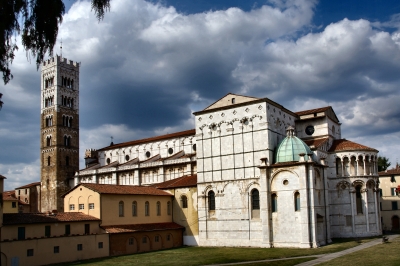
(255, 201)
(67, 101)
(67, 121)
(121, 208)
(67, 82)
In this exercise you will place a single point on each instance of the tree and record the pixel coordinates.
(40, 20)
(383, 163)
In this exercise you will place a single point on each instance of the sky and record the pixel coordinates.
(149, 65)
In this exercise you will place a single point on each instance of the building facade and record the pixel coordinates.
(390, 201)
(59, 145)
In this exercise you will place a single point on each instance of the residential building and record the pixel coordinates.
(389, 182)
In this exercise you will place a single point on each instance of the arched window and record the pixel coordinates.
(134, 208)
(147, 209)
(359, 200)
(67, 161)
(158, 208)
(108, 160)
(48, 161)
(121, 208)
(65, 140)
(169, 208)
(184, 201)
(70, 122)
(297, 201)
(274, 202)
(48, 141)
(211, 201)
(255, 199)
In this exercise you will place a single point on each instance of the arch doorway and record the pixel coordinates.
(395, 223)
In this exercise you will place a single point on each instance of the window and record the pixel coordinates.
(121, 208)
(211, 200)
(184, 201)
(108, 160)
(156, 239)
(48, 141)
(144, 240)
(21, 233)
(48, 161)
(255, 199)
(67, 229)
(79, 247)
(72, 207)
(359, 200)
(392, 179)
(158, 208)
(148, 154)
(134, 208)
(394, 205)
(169, 208)
(13, 204)
(393, 191)
(100, 244)
(91, 206)
(127, 157)
(168, 237)
(297, 201)
(29, 252)
(87, 229)
(170, 151)
(194, 147)
(274, 202)
(146, 209)
(233, 100)
(81, 206)
(130, 241)
(56, 249)
(47, 230)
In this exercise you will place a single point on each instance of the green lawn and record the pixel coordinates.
(213, 255)
(387, 254)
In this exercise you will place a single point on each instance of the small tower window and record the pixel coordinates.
(48, 161)
(48, 141)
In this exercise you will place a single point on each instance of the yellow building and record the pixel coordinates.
(38, 238)
(10, 202)
(184, 205)
(390, 201)
(138, 218)
(29, 195)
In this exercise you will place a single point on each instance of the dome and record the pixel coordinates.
(290, 148)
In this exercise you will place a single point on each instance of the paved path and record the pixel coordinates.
(320, 258)
(335, 255)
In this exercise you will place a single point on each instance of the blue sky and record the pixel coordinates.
(148, 65)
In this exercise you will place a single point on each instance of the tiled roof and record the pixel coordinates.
(312, 111)
(124, 190)
(184, 181)
(3, 177)
(130, 228)
(316, 142)
(9, 195)
(157, 138)
(33, 218)
(29, 185)
(347, 145)
(394, 171)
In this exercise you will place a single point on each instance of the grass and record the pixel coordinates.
(383, 255)
(214, 255)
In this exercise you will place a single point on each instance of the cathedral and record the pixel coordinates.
(266, 176)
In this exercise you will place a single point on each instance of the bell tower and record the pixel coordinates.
(59, 144)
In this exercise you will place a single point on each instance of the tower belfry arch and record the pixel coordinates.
(60, 152)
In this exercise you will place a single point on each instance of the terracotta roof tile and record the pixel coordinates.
(141, 141)
(312, 111)
(130, 228)
(393, 171)
(29, 185)
(124, 190)
(9, 195)
(184, 181)
(33, 218)
(316, 142)
(347, 145)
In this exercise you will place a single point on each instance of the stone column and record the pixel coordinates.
(366, 208)
(341, 164)
(365, 171)
(352, 195)
(356, 167)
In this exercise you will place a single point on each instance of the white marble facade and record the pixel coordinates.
(244, 197)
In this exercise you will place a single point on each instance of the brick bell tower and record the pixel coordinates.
(59, 144)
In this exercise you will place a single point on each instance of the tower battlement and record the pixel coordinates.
(58, 60)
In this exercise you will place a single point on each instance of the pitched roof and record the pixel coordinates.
(157, 138)
(347, 145)
(3, 177)
(312, 111)
(9, 195)
(34, 218)
(129, 228)
(316, 142)
(30, 185)
(124, 190)
(393, 171)
(183, 181)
